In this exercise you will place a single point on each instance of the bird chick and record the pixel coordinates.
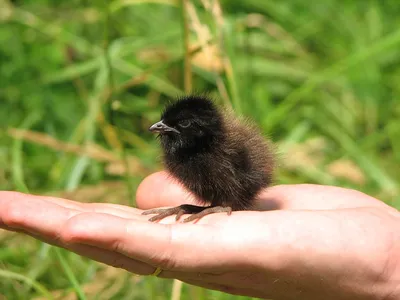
(223, 161)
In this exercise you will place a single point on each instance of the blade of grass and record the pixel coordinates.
(365, 162)
(117, 5)
(111, 87)
(334, 70)
(28, 281)
(79, 167)
(153, 81)
(176, 289)
(69, 273)
(53, 30)
(230, 69)
(17, 169)
(187, 65)
(40, 262)
(118, 48)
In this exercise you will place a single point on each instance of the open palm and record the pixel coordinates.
(303, 242)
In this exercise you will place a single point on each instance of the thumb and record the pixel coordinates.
(161, 189)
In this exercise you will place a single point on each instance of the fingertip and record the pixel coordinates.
(160, 189)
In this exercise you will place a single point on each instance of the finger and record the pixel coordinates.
(145, 241)
(36, 201)
(33, 214)
(117, 209)
(44, 218)
(113, 259)
(122, 211)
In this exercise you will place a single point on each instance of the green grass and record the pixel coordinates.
(321, 80)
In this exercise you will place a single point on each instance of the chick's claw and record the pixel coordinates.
(207, 211)
(163, 213)
(196, 212)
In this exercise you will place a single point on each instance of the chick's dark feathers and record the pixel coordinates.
(222, 160)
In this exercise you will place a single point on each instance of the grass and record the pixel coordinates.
(82, 80)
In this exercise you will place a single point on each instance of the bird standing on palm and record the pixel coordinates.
(222, 160)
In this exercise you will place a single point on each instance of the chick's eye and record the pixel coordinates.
(184, 123)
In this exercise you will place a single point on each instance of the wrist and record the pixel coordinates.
(394, 279)
(386, 285)
(392, 267)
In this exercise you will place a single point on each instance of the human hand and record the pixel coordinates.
(321, 242)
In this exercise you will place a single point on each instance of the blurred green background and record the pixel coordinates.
(81, 81)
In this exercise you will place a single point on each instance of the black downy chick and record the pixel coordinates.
(223, 161)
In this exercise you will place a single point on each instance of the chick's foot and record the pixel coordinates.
(196, 212)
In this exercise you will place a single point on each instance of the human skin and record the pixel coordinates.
(304, 242)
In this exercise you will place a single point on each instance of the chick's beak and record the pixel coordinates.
(161, 127)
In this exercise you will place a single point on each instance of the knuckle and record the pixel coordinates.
(72, 230)
(117, 246)
(164, 260)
